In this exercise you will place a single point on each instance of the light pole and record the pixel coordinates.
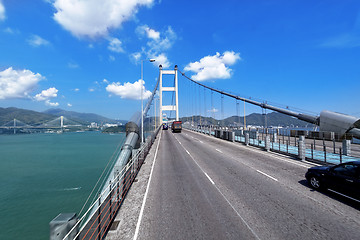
(142, 109)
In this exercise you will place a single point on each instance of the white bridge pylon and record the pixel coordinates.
(168, 89)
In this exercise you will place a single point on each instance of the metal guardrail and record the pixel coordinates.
(97, 220)
(317, 151)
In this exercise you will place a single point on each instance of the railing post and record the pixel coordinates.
(324, 153)
(312, 152)
(301, 148)
(340, 153)
(118, 187)
(274, 137)
(110, 206)
(289, 139)
(287, 146)
(267, 143)
(346, 145)
(247, 139)
(279, 145)
(99, 218)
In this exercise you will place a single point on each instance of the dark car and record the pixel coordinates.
(343, 179)
(165, 126)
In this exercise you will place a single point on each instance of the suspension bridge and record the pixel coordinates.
(214, 181)
(59, 123)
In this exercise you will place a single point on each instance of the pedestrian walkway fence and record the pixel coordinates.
(299, 147)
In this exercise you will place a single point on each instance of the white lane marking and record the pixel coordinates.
(146, 193)
(267, 175)
(237, 213)
(218, 150)
(201, 141)
(209, 178)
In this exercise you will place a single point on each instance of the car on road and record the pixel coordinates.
(343, 179)
(165, 126)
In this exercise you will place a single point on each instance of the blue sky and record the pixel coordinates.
(84, 55)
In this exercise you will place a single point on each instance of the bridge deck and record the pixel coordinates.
(206, 188)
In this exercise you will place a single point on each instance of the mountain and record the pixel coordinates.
(82, 117)
(26, 116)
(36, 118)
(255, 119)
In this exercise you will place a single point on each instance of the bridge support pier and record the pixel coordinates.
(301, 148)
(346, 146)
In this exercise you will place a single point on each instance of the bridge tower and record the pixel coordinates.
(14, 126)
(168, 89)
(62, 123)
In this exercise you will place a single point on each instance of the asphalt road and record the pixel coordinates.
(206, 188)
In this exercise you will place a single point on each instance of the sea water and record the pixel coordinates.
(42, 175)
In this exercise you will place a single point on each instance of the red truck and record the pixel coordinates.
(176, 126)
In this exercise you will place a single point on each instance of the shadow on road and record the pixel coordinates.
(334, 196)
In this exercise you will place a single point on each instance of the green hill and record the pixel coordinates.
(256, 119)
(27, 116)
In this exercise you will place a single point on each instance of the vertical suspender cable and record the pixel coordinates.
(205, 114)
(212, 106)
(222, 110)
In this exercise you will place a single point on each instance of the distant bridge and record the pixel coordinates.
(57, 123)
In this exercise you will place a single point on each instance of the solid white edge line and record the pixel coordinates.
(146, 192)
(209, 178)
(267, 175)
(218, 150)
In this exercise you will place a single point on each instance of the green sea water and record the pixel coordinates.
(42, 175)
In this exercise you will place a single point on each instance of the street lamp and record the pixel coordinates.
(142, 110)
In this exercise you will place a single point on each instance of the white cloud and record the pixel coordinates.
(46, 94)
(11, 31)
(94, 18)
(37, 41)
(161, 59)
(18, 83)
(129, 90)
(69, 105)
(73, 65)
(91, 90)
(115, 45)
(214, 110)
(112, 58)
(76, 90)
(213, 67)
(51, 104)
(156, 46)
(165, 43)
(2, 11)
(149, 32)
(348, 40)
(135, 57)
